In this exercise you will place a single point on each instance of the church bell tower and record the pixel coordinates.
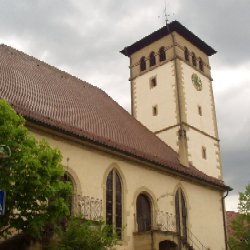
(171, 94)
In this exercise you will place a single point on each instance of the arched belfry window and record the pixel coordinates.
(162, 54)
(152, 60)
(143, 213)
(142, 64)
(186, 54)
(194, 62)
(181, 214)
(114, 202)
(201, 65)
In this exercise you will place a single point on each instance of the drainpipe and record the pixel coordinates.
(224, 217)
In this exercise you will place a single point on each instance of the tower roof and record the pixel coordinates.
(164, 31)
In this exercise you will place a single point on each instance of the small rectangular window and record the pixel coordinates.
(200, 110)
(204, 153)
(155, 110)
(152, 82)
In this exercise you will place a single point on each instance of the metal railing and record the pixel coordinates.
(90, 208)
(194, 242)
(166, 221)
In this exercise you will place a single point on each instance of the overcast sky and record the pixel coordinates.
(84, 37)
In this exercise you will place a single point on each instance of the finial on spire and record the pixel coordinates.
(165, 13)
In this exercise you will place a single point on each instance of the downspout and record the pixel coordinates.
(224, 218)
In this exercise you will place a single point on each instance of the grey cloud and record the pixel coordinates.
(236, 168)
(223, 24)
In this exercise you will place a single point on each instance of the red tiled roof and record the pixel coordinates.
(231, 215)
(56, 99)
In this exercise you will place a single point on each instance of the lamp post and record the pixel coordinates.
(4, 153)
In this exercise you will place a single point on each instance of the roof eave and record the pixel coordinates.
(218, 186)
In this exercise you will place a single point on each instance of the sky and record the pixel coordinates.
(84, 38)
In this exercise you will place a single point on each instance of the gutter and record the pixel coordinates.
(103, 147)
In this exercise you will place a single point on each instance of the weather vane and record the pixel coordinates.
(165, 14)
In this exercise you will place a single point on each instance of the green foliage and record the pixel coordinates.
(32, 178)
(240, 240)
(81, 234)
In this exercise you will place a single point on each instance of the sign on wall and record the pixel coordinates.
(2, 202)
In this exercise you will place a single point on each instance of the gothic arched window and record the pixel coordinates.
(114, 202)
(143, 212)
(67, 178)
(181, 214)
(142, 64)
(162, 54)
(186, 54)
(152, 60)
(194, 60)
(201, 65)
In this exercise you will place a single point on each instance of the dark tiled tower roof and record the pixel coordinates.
(164, 31)
(53, 98)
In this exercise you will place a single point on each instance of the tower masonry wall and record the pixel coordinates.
(194, 99)
(162, 96)
(196, 142)
(170, 137)
(200, 122)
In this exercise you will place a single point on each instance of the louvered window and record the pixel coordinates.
(142, 64)
(162, 54)
(186, 54)
(201, 65)
(194, 62)
(152, 60)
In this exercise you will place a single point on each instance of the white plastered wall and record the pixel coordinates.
(170, 137)
(194, 98)
(163, 95)
(91, 166)
(210, 165)
(202, 129)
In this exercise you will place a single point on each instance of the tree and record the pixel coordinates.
(240, 240)
(32, 178)
(81, 234)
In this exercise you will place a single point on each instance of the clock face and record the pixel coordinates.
(197, 82)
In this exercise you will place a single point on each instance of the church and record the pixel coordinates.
(155, 175)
